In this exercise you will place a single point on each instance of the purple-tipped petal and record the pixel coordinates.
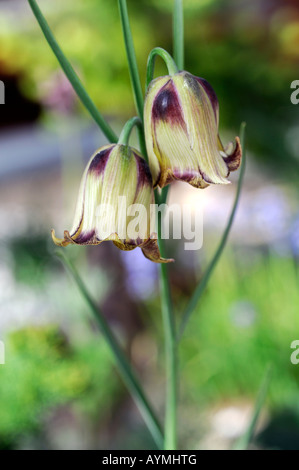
(98, 164)
(167, 106)
(233, 159)
(211, 94)
(181, 116)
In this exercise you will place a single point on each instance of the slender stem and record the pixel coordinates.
(244, 441)
(142, 143)
(206, 277)
(178, 33)
(170, 344)
(167, 311)
(122, 363)
(170, 63)
(170, 432)
(164, 194)
(71, 74)
(134, 74)
(127, 130)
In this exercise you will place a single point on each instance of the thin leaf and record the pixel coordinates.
(178, 34)
(206, 277)
(71, 74)
(120, 359)
(244, 441)
(131, 56)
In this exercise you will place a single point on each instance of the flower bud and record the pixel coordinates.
(115, 186)
(181, 117)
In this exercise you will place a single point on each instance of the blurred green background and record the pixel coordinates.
(58, 388)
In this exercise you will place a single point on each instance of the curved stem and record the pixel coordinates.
(206, 277)
(170, 63)
(131, 56)
(127, 130)
(71, 74)
(178, 33)
(121, 361)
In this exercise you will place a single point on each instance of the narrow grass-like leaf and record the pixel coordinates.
(178, 34)
(71, 74)
(131, 56)
(244, 441)
(120, 359)
(206, 277)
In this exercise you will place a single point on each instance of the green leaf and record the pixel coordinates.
(210, 269)
(120, 359)
(71, 74)
(131, 56)
(178, 34)
(244, 441)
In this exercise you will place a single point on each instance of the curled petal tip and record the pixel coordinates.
(123, 246)
(151, 251)
(234, 155)
(59, 241)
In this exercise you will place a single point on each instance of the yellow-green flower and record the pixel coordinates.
(116, 183)
(181, 117)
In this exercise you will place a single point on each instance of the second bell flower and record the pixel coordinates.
(115, 185)
(181, 118)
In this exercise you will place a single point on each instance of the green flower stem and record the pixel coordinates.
(127, 129)
(166, 302)
(164, 194)
(170, 63)
(206, 277)
(71, 74)
(170, 442)
(121, 362)
(126, 132)
(131, 56)
(142, 143)
(178, 34)
(171, 359)
(170, 430)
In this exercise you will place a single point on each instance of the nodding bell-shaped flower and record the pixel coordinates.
(181, 117)
(115, 186)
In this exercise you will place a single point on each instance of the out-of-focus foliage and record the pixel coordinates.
(247, 50)
(247, 320)
(45, 371)
(91, 37)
